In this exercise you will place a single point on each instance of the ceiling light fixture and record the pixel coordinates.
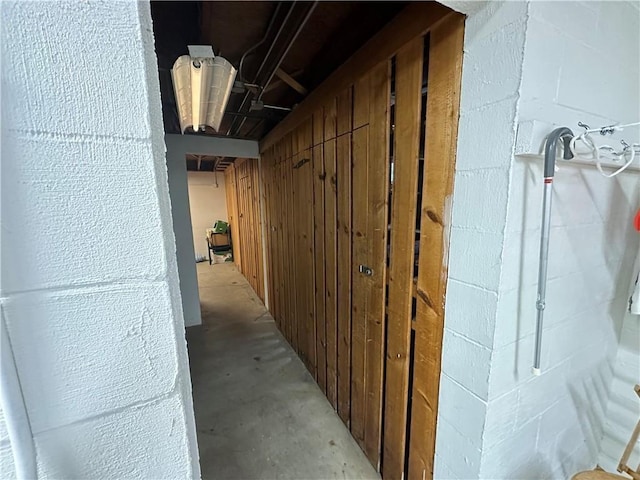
(202, 83)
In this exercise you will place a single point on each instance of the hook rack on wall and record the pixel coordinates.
(588, 150)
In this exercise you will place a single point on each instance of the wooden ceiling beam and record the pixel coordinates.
(415, 20)
(292, 82)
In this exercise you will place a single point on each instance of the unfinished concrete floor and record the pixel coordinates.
(259, 414)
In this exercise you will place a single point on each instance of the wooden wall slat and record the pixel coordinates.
(290, 232)
(319, 258)
(307, 253)
(330, 215)
(232, 211)
(360, 281)
(331, 270)
(297, 254)
(376, 234)
(343, 172)
(443, 101)
(403, 218)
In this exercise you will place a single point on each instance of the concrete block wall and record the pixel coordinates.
(89, 284)
(560, 416)
(623, 408)
(535, 62)
(493, 57)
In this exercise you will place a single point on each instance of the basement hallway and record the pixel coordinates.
(259, 414)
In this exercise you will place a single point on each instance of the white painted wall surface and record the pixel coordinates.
(207, 203)
(526, 62)
(177, 147)
(493, 55)
(89, 283)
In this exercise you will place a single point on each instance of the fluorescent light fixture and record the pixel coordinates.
(202, 83)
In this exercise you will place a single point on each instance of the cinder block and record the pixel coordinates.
(542, 39)
(576, 87)
(103, 89)
(91, 351)
(441, 470)
(515, 457)
(460, 354)
(473, 208)
(617, 36)
(471, 311)
(480, 147)
(142, 442)
(7, 465)
(515, 315)
(538, 393)
(511, 366)
(462, 409)
(570, 20)
(492, 67)
(501, 419)
(492, 17)
(456, 451)
(4, 434)
(79, 213)
(475, 257)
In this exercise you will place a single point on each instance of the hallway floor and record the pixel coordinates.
(259, 414)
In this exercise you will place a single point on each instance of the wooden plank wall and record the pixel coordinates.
(232, 211)
(356, 259)
(242, 183)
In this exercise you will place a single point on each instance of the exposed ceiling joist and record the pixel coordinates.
(292, 82)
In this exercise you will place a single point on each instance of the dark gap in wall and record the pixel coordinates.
(412, 351)
(392, 84)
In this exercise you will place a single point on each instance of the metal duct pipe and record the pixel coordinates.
(549, 171)
(233, 130)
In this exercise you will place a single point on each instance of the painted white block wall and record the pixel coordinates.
(623, 408)
(525, 62)
(89, 283)
(207, 203)
(560, 416)
(493, 55)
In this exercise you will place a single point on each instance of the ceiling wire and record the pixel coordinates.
(262, 40)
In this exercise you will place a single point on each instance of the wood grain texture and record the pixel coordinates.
(343, 227)
(319, 258)
(327, 190)
(331, 269)
(443, 100)
(403, 218)
(376, 234)
(245, 219)
(232, 211)
(410, 23)
(360, 282)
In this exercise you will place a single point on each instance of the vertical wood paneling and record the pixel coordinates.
(305, 168)
(232, 211)
(443, 102)
(319, 258)
(326, 190)
(377, 211)
(331, 270)
(246, 222)
(360, 282)
(403, 219)
(288, 205)
(343, 173)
